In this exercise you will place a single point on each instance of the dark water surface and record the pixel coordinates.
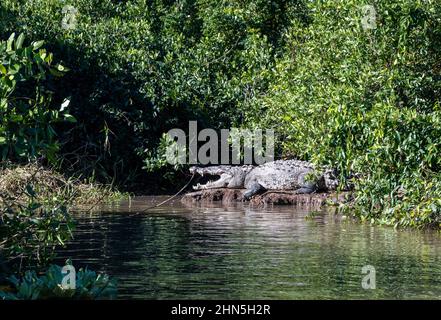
(218, 252)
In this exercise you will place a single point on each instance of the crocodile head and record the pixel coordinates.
(226, 176)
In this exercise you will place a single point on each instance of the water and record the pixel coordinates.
(216, 252)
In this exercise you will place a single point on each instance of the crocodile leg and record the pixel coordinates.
(254, 189)
(306, 186)
(307, 189)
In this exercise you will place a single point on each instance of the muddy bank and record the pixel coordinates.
(227, 196)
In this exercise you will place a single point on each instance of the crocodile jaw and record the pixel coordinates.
(223, 171)
(220, 183)
(211, 171)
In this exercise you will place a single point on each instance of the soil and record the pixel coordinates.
(276, 197)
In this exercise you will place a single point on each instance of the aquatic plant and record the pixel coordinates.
(88, 285)
(31, 230)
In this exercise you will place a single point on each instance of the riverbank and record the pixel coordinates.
(36, 218)
(271, 197)
(48, 183)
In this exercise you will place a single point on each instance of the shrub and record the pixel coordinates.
(140, 68)
(88, 285)
(366, 101)
(30, 231)
(26, 113)
(361, 100)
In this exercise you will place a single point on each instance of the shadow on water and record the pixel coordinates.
(238, 252)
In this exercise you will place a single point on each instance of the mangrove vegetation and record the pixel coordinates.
(89, 89)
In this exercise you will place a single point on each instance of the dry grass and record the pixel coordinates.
(49, 184)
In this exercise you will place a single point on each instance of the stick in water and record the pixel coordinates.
(169, 199)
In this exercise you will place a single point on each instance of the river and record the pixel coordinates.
(237, 252)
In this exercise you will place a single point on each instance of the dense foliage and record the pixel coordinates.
(88, 285)
(141, 67)
(29, 235)
(366, 101)
(30, 232)
(26, 112)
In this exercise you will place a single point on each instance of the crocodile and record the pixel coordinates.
(299, 176)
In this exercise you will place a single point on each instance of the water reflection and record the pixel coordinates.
(238, 252)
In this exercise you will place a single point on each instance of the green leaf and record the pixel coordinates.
(3, 69)
(10, 42)
(30, 190)
(55, 72)
(60, 240)
(37, 44)
(19, 42)
(70, 118)
(65, 104)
